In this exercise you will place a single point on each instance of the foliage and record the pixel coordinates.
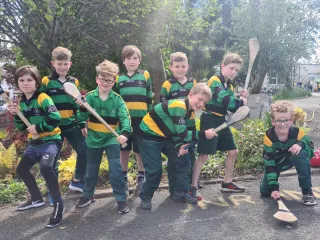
(214, 166)
(11, 191)
(299, 116)
(249, 140)
(291, 94)
(66, 169)
(286, 32)
(3, 135)
(8, 161)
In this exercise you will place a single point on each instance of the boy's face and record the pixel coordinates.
(282, 121)
(197, 101)
(179, 69)
(62, 66)
(27, 84)
(230, 71)
(132, 63)
(105, 83)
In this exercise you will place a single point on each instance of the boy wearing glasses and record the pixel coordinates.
(135, 87)
(286, 146)
(111, 107)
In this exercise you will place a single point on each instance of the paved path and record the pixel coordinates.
(220, 216)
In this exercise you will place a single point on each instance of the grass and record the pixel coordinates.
(293, 93)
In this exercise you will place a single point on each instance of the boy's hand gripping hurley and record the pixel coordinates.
(73, 91)
(20, 115)
(254, 49)
(284, 213)
(242, 113)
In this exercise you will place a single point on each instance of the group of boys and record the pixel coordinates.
(124, 101)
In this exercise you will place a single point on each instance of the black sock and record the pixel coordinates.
(125, 175)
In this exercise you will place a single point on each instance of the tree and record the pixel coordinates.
(286, 32)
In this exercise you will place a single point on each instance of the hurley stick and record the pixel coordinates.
(73, 91)
(284, 213)
(20, 115)
(254, 49)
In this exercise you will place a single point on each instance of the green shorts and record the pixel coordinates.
(224, 141)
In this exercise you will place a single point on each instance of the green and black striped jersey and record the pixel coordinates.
(136, 91)
(168, 120)
(41, 112)
(274, 151)
(66, 105)
(113, 111)
(223, 98)
(173, 89)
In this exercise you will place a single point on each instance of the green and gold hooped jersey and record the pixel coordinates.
(274, 150)
(223, 98)
(173, 89)
(64, 103)
(168, 120)
(41, 112)
(136, 91)
(113, 110)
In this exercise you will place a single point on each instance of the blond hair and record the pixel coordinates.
(281, 106)
(107, 68)
(129, 51)
(61, 54)
(232, 58)
(178, 57)
(201, 88)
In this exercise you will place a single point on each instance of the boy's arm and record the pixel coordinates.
(82, 113)
(149, 90)
(53, 116)
(165, 90)
(124, 117)
(305, 143)
(223, 98)
(270, 164)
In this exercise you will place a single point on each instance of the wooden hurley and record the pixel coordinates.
(20, 115)
(73, 91)
(242, 113)
(284, 213)
(253, 49)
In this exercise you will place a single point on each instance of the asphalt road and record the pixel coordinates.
(219, 216)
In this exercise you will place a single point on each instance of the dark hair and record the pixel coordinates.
(28, 69)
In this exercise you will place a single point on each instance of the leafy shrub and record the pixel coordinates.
(11, 191)
(291, 94)
(8, 160)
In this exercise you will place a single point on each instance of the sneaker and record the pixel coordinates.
(146, 204)
(123, 208)
(126, 188)
(194, 192)
(77, 186)
(184, 197)
(50, 199)
(31, 204)
(308, 198)
(139, 186)
(84, 201)
(56, 217)
(200, 186)
(231, 187)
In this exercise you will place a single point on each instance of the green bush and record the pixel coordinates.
(11, 191)
(291, 94)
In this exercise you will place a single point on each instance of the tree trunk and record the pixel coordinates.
(157, 72)
(257, 84)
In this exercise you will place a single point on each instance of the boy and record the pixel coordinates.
(110, 106)
(223, 100)
(162, 125)
(178, 87)
(40, 111)
(135, 87)
(71, 129)
(286, 146)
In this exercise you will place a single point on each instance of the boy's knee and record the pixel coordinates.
(203, 158)
(233, 153)
(46, 162)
